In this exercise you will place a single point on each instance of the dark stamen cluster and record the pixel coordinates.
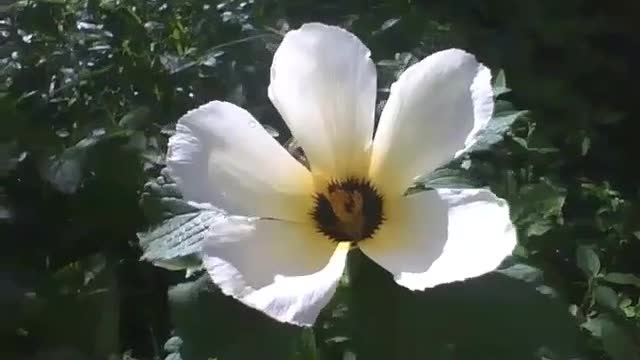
(348, 210)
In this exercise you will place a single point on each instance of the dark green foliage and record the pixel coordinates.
(90, 91)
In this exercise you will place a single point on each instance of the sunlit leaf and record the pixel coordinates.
(500, 84)
(587, 260)
(623, 279)
(449, 178)
(176, 243)
(495, 130)
(173, 344)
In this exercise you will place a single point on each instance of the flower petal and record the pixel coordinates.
(434, 111)
(221, 155)
(281, 268)
(442, 236)
(323, 83)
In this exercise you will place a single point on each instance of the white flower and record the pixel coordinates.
(284, 249)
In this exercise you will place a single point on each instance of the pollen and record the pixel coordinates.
(348, 210)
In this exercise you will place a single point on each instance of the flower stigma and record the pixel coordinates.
(348, 210)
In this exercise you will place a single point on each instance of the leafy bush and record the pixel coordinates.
(91, 90)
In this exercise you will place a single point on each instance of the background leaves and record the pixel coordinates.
(90, 91)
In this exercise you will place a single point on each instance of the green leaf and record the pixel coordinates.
(136, 118)
(454, 178)
(627, 307)
(605, 296)
(501, 122)
(176, 243)
(537, 207)
(594, 326)
(540, 227)
(173, 356)
(306, 347)
(458, 320)
(622, 279)
(587, 260)
(500, 84)
(65, 171)
(215, 325)
(523, 272)
(389, 23)
(586, 145)
(173, 344)
(532, 275)
(618, 341)
(495, 130)
(162, 200)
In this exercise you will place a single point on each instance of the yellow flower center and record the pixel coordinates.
(348, 210)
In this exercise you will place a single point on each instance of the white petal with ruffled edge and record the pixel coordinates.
(283, 269)
(434, 111)
(221, 155)
(442, 236)
(323, 83)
